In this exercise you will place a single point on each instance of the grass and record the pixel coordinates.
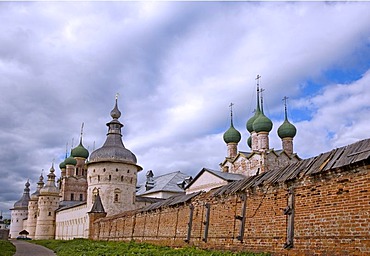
(7, 248)
(84, 247)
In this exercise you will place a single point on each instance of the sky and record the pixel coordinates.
(177, 66)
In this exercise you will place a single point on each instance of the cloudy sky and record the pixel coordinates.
(177, 66)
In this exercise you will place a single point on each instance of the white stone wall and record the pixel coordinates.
(206, 182)
(72, 223)
(17, 219)
(161, 194)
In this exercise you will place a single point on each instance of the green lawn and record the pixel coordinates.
(84, 247)
(7, 248)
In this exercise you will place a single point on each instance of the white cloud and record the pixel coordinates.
(177, 66)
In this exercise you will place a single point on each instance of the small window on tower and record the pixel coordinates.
(49, 213)
(76, 171)
(110, 177)
(72, 197)
(81, 197)
(117, 193)
(116, 169)
(121, 178)
(104, 170)
(98, 177)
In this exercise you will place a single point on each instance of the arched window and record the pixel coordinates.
(121, 178)
(117, 193)
(110, 177)
(77, 171)
(98, 178)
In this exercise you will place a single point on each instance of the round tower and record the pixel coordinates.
(287, 131)
(232, 137)
(48, 203)
(112, 171)
(20, 212)
(33, 208)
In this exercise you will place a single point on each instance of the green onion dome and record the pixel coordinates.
(232, 135)
(80, 151)
(70, 161)
(251, 121)
(249, 142)
(62, 165)
(286, 130)
(262, 124)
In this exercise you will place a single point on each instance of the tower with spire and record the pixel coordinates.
(73, 182)
(19, 212)
(48, 203)
(112, 171)
(33, 206)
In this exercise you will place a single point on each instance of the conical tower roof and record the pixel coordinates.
(113, 148)
(40, 184)
(50, 188)
(23, 202)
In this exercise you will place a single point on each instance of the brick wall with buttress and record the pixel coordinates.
(325, 214)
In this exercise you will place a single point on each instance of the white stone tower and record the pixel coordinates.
(20, 212)
(112, 171)
(48, 203)
(33, 209)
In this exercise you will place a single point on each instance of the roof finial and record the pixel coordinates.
(285, 99)
(258, 92)
(66, 151)
(82, 131)
(115, 113)
(261, 91)
(231, 113)
(72, 142)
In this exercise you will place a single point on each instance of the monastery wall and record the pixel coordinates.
(326, 213)
(72, 223)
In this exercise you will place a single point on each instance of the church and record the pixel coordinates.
(104, 183)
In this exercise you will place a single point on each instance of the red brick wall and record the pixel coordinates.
(331, 217)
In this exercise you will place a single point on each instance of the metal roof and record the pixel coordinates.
(336, 158)
(167, 182)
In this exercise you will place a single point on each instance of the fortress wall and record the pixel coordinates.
(331, 217)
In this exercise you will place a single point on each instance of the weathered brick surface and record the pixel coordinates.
(331, 217)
